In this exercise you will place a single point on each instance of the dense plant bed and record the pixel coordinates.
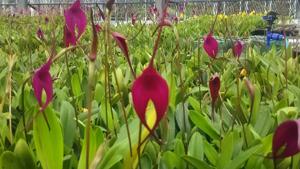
(163, 97)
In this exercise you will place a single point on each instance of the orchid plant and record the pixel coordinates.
(118, 101)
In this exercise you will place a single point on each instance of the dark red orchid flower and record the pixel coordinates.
(237, 49)
(40, 34)
(175, 19)
(211, 46)
(121, 42)
(214, 89)
(150, 86)
(75, 20)
(42, 81)
(286, 140)
(153, 10)
(98, 28)
(46, 20)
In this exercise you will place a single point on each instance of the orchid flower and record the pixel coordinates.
(42, 81)
(40, 34)
(46, 20)
(237, 49)
(98, 28)
(214, 88)
(286, 140)
(150, 86)
(75, 20)
(211, 46)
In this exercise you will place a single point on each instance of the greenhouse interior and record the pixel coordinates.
(149, 84)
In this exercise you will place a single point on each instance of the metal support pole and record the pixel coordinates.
(21, 3)
(224, 7)
(215, 8)
(246, 6)
(297, 8)
(160, 4)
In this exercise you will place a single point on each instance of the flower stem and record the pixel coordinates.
(156, 43)
(89, 107)
(109, 53)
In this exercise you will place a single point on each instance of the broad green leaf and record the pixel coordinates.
(203, 124)
(242, 157)
(76, 87)
(210, 152)
(226, 151)
(96, 138)
(198, 164)
(24, 155)
(179, 147)
(195, 148)
(170, 160)
(48, 140)
(182, 117)
(9, 160)
(67, 118)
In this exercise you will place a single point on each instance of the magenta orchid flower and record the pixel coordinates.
(286, 140)
(42, 81)
(211, 46)
(237, 49)
(40, 34)
(76, 22)
(150, 86)
(214, 89)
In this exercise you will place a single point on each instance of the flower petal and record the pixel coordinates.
(211, 46)
(237, 49)
(121, 42)
(40, 34)
(214, 87)
(42, 81)
(150, 86)
(69, 37)
(286, 140)
(75, 18)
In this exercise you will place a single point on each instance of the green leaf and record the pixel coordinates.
(203, 123)
(170, 160)
(179, 147)
(111, 119)
(96, 138)
(198, 164)
(210, 153)
(67, 118)
(75, 83)
(9, 160)
(226, 151)
(24, 155)
(48, 141)
(241, 158)
(195, 148)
